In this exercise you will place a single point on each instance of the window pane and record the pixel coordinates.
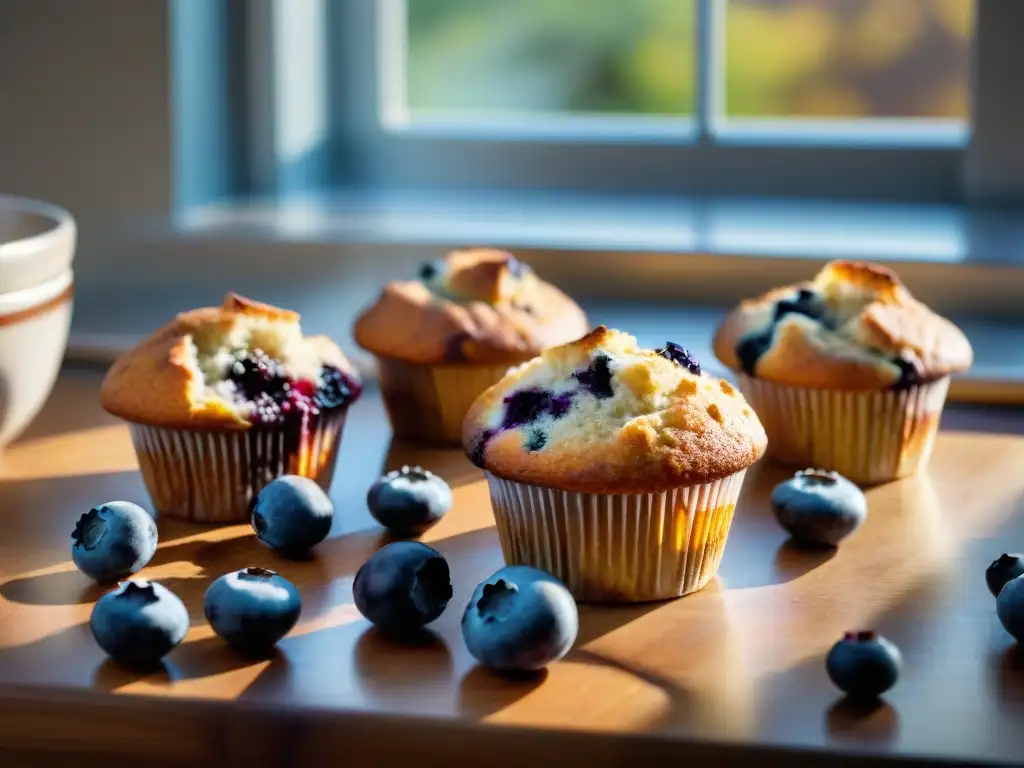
(847, 58)
(551, 56)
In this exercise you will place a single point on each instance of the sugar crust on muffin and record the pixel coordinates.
(855, 326)
(604, 415)
(475, 305)
(184, 374)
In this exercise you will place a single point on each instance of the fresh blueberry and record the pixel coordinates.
(402, 587)
(252, 609)
(520, 619)
(1010, 608)
(597, 377)
(528, 405)
(864, 665)
(1005, 569)
(138, 623)
(819, 508)
(291, 515)
(113, 540)
(751, 348)
(409, 500)
(676, 353)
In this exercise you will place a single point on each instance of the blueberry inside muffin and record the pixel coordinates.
(854, 326)
(238, 365)
(605, 415)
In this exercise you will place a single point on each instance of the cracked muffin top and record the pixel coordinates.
(603, 415)
(855, 326)
(234, 366)
(472, 306)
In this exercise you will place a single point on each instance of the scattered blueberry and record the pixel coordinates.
(291, 515)
(402, 587)
(1010, 608)
(409, 500)
(520, 619)
(138, 623)
(252, 609)
(113, 540)
(804, 302)
(910, 375)
(1005, 569)
(675, 353)
(864, 665)
(818, 507)
(751, 348)
(528, 405)
(597, 378)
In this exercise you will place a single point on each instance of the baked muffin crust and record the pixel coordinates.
(178, 377)
(603, 415)
(855, 326)
(473, 306)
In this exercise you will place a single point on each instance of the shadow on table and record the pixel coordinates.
(862, 723)
(1008, 677)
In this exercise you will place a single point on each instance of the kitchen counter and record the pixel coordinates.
(733, 675)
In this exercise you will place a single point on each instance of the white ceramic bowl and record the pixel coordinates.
(37, 244)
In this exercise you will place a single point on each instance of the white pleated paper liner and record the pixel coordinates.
(427, 403)
(211, 476)
(617, 547)
(869, 437)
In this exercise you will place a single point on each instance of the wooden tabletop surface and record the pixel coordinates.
(729, 676)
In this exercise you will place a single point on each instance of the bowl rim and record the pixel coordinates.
(30, 299)
(63, 224)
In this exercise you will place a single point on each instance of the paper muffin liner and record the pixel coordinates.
(427, 403)
(617, 547)
(211, 476)
(869, 437)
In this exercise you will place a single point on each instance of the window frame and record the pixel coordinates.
(344, 48)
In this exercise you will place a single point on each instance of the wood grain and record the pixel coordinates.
(728, 676)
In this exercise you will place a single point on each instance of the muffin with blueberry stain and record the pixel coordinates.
(614, 468)
(444, 338)
(847, 371)
(222, 400)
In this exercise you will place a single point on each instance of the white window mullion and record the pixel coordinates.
(709, 74)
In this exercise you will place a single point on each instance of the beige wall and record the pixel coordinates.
(85, 113)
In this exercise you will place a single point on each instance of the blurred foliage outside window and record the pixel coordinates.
(783, 58)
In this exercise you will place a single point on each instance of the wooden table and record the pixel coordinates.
(731, 676)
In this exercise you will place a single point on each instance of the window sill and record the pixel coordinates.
(661, 268)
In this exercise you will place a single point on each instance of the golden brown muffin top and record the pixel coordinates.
(855, 326)
(603, 415)
(185, 375)
(472, 306)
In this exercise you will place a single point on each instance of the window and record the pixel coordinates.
(845, 98)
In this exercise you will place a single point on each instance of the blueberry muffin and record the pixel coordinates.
(614, 468)
(847, 371)
(222, 400)
(443, 339)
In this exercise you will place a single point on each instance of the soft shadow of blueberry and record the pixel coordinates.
(1009, 676)
(871, 722)
(390, 669)
(111, 676)
(212, 656)
(794, 560)
(449, 463)
(597, 620)
(483, 691)
(63, 588)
